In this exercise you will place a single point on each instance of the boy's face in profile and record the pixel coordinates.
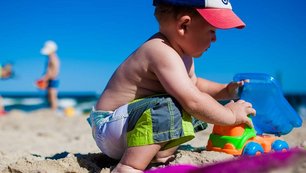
(199, 35)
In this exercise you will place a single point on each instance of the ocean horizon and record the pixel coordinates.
(84, 101)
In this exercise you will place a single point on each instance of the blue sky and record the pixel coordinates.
(95, 36)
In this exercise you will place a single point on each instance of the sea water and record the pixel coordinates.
(84, 101)
(24, 101)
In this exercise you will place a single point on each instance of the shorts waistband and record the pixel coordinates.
(98, 117)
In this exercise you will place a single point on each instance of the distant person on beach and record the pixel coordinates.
(145, 112)
(49, 80)
(6, 72)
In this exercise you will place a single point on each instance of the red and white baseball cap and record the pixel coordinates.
(218, 13)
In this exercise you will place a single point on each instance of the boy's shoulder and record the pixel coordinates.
(158, 47)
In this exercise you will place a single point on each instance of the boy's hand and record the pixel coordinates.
(241, 109)
(232, 88)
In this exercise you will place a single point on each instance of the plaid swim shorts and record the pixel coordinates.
(152, 120)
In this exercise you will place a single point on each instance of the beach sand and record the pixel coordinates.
(44, 142)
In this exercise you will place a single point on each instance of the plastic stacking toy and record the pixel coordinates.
(274, 117)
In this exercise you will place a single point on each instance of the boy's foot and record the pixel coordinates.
(124, 168)
(163, 160)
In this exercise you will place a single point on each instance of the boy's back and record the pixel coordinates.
(135, 77)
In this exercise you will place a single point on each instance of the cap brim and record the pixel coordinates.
(44, 51)
(47, 50)
(221, 18)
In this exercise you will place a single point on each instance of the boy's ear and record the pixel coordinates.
(183, 24)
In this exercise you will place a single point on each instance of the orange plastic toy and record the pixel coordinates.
(41, 84)
(274, 117)
(242, 140)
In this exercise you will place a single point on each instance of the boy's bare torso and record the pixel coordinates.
(135, 78)
(53, 67)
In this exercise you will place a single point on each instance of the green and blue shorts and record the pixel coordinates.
(152, 120)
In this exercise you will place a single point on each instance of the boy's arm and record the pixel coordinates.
(52, 68)
(217, 90)
(171, 72)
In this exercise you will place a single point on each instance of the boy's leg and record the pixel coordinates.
(52, 97)
(165, 155)
(136, 159)
(144, 115)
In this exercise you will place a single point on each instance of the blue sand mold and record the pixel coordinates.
(274, 115)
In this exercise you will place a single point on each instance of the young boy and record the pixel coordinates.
(145, 111)
(51, 73)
